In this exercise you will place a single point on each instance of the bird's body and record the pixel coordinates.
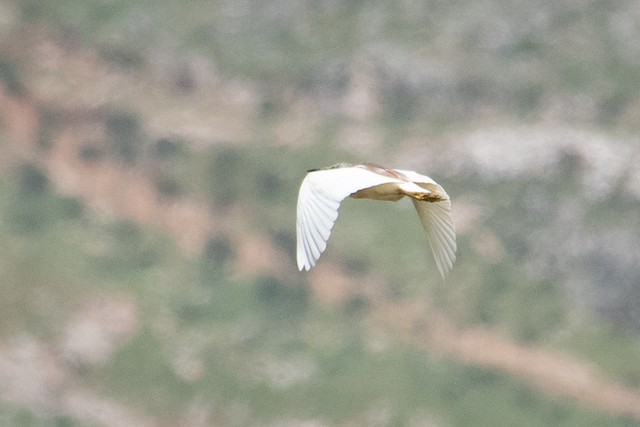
(322, 190)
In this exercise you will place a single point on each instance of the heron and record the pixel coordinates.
(322, 191)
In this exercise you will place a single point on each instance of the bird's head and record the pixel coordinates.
(336, 166)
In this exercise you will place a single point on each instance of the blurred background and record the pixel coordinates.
(150, 158)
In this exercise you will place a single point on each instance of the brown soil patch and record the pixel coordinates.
(125, 192)
(550, 372)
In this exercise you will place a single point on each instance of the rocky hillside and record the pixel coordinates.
(150, 164)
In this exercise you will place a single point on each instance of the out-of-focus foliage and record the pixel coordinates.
(449, 62)
(496, 100)
(256, 350)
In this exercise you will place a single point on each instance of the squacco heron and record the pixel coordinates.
(322, 190)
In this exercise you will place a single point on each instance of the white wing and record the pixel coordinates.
(437, 223)
(420, 179)
(318, 201)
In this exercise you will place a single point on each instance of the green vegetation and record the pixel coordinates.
(257, 348)
(267, 351)
(443, 63)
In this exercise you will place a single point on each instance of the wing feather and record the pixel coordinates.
(437, 223)
(318, 202)
(312, 240)
(314, 224)
(436, 220)
(323, 214)
(314, 232)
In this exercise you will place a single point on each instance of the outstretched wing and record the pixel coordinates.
(318, 201)
(436, 221)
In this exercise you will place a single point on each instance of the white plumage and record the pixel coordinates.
(322, 190)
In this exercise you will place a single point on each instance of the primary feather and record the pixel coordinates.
(322, 191)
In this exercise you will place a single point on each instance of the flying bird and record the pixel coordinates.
(322, 190)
